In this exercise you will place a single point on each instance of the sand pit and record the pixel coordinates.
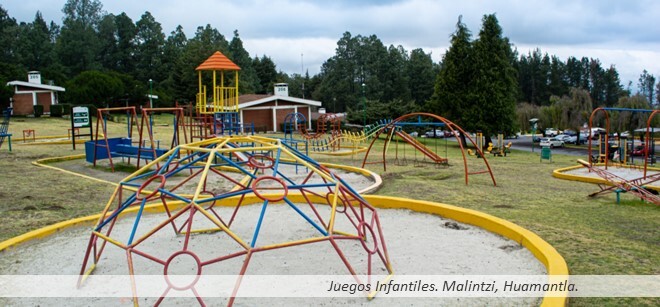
(418, 244)
(625, 172)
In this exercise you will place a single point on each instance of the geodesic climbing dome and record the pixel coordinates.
(201, 188)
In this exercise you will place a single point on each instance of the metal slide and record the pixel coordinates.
(421, 147)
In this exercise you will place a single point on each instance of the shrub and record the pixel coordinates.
(38, 110)
(66, 108)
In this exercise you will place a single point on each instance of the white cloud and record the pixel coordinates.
(624, 33)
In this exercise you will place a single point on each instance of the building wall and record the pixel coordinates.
(262, 119)
(23, 104)
(44, 99)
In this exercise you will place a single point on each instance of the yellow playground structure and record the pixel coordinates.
(225, 93)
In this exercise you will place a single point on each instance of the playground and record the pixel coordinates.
(526, 193)
(160, 188)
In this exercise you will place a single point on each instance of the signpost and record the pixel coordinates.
(80, 119)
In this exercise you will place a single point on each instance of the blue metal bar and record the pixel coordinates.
(261, 218)
(147, 174)
(126, 203)
(170, 194)
(320, 229)
(277, 161)
(137, 221)
(286, 178)
(232, 163)
(181, 168)
(131, 184)
(351, 189)
(223, 196)
(175, 153)
(629, 110)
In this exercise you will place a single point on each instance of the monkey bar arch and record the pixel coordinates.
(607, 132)
(390, 128)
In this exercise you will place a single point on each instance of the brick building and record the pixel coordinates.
(267, 112)
(32, 93)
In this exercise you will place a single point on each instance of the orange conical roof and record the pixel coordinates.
(218, 61)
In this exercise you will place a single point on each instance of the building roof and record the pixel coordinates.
(218, 61)
(246, 101)
(37, 86)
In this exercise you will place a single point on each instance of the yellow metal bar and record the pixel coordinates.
(87, 273)
(147, 167)
(372, 294)
(343, 233)
(207, 230)
(199, 94)
(290, 243)
(113, 241)
(223, 227)
(333, 211)
(215, 94)
(235, 98)
(107, 206)
(202, 178)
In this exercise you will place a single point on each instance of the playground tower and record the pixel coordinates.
(224, 97)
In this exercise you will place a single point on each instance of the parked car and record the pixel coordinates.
(437, 134)
(571, 139)
(551, 142)
(639, 150)
(414, 134)
(551, 132)
(562, 137)
(570, 132)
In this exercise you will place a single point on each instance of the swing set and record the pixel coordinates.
(394, 128)
(104, 147)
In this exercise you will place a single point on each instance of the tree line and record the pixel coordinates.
(481, 83)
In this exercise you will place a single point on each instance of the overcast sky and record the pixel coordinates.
(621, 33)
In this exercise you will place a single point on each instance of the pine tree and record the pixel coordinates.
(452, 93)
(493, 108)
(240, 56)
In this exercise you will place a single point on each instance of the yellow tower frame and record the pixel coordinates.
(225, 98)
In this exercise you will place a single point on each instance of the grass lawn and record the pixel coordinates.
(595, 235)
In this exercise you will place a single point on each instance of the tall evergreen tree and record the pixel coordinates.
(646, 85)
(206, 41)
(240, 56)
(612, 86)
(558, 79)
(266, 73)
(78, 43)
(172, 53)
(108, 42)
(126, 32)
(8, 28)
(495, 84)
(149, 42)
(421, 76)
(395, 78)
(453, 88)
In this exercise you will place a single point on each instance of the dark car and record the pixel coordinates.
(639, 150)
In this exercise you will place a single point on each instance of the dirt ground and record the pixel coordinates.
(418, 244)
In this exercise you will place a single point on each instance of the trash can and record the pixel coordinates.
(546, 153)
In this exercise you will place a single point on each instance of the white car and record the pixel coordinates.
(551, 132)
(551, 142)
(563, 137)
(438, 134)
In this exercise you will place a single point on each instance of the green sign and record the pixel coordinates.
(80, 117)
